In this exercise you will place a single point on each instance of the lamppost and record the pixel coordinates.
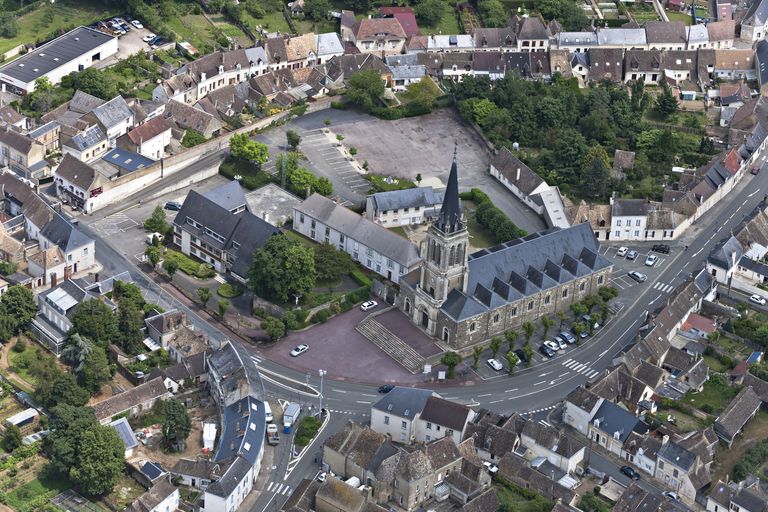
(322, 374)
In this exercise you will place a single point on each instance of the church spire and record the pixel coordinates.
(450, 213)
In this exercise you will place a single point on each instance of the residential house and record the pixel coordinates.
(455, 66)
(78, 183)
(172, 331)
(611, 426)
(217, 228)
(724, 10)
(404, 15)
(292, 52)
(494, 435)
(403, 207)
(644, 65)
(680, 67)
(576, 42)
(396, 413)
(328, 46)
(665, 35)
(114, 118)
(68, 113)
(131, 402)
(606, 64)
(149, 139)
(379, 249)
(382, 36)
(86, 145)
(21, 153)
(124, 430)
(754, 24)
(532, 35)
(517, 470)
(559, 62)
(339, 69)
(681, 470)
(697, 36)
(405, 70)
(739, 411)
(721, 34)
(735, 64)
(194, 473)
(637, 499)
(442, 418)
(356, 451)
(580, 407)
(629, 218)
(518, 178)
(161, 497)
(622, 38)
(501, 39)
(9, 116)
(460, 43)
(598, 216)
(557, 447)
(186, 117)
(47, 135)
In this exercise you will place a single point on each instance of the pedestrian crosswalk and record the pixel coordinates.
(219, 279)
(666, 288)
(278, 488)
(256, 360)
(580, 368)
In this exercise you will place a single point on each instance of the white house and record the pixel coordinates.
(161, 497)
(114, 117)
(518, 178)
(403, 207)
(74, 51)
(126, 434)
(396, 414)
(442, 418)
(629, 218)
(149, 139)
(387, 253)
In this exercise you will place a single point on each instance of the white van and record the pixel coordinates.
(268, 412)
(151, 237)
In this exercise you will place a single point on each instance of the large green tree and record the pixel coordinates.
(666, 102)
(316, 9)
(492, 13)
(76, 351)
(18, 304)
(430, 12)
(55, 387)
(94, 82)
(96, 371)
(244, 148)
(130, 321)
(9, 28)
(176, 425)
(158, 221)
(94, 320)
(12, 438)
(331, 263)
(282, 268)
(365, 88)
(274, 327)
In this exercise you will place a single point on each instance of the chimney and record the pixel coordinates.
(664, 440)
(202, 77)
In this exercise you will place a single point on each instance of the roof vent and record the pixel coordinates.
(389, 407)
(407, 411)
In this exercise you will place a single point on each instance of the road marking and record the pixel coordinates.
(697, 252)
(366, 394)
(278, 489)
(540, 383)
(756, 191)
(363, 402)
(495, 401)
(255, 359)
(481, 396)
(509, 390)
(544, 374)
(602, 354)
(666, 288)
(269, 487)
(563, 375)
(654, 300)
(338, 390)
(745, 202)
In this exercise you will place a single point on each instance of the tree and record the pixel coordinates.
(529, 328)
(316, 10)
(18, 303)
(244, 148)
(365, 88)
(43, 97)
(580, 327)
(596, 178)
(423, 94)
(9, 27)
(176, 425)
(94, 320)
(512, 360)
(157, 221)
(323, 186)
(562, 317)
(96, 371)
(666, 102)
(192, 138)
(547, 324)
(578, 309)
(12, 438)
(274, 327)
(94, 82)
(56, 387)
(153, 254)
(204, 294)
(124, 292)
(170, 266)
(331, 263)
(418, 179)
(430, 12)
(511, 336)
(99, 460)
(451, 360)
(77, 351)
(492, 13)
(593, 320)
(293, 138)
(223, 306)
(495, 345)
(639, 99)
(476, 353)
(282, 268)
(130, 320)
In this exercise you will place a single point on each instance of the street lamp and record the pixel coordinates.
(322, 374)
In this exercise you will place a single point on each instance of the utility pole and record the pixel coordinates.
(322, 374)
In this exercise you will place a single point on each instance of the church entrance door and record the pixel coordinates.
(424, 319)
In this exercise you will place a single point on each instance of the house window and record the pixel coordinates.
(496, 318)
(404, 425)
(617, 233)
(449, 432)
(599, 279)
(386, 420)
(565, 292)
(429, 426)
(301, 218)
(581, 286)
(473, 327)
(513, 313)
(429, 438)
(637, 223)
(618, 223)
(341, 239)
(327, 231)
(530, 306)
(546, 299)
(661, 465)
(313, 224)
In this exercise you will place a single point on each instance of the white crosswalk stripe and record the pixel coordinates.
(279, 488)
(219, 279)
(286, 491)
(256, 360)
(269, 487)
(581, 368)
(666, 288)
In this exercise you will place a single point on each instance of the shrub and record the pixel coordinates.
(308, 428)
(20, 346)
(493, 219)
(358, 295)
(295, 319)
(228, 290)
(338, 105)
(361, 278)
(321, 316)
(259, 312)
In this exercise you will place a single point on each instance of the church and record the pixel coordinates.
(462, 299)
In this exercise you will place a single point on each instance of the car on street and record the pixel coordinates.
(631, 473)
(370, 304)
(662, 248)
(622, 252)
(520, 353)
(561, 343)
(757, 299)
(552, 345)
(568, 337)
(631, 255)
(495, 364)
(321, 476)
(547, 352)
(637, 276)
(299, 350)
(651, 260)
(172, 205)
(671, 495)
(386, 388)
(137, 24)
(755, 170)
(147, 38)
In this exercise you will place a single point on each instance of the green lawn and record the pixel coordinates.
(22, 362)
(41, 22)
(683, 422)
(193, 28)
(715, 394)
(512, 497)
(271, 22)
(449, 24)
(399, 230)
(714, 364)
(33, 495)
(679, 16)
(189, 265)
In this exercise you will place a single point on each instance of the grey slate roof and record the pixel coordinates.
(629, 208)
(88, 138)
(446, 413)
(576, 39)
(671, 32)
(509, 166)
(726, 254)
(761, 56)
(404, 402)
(757, 15)
(352, 225)
(231, 478)
(615, 419)
(409, 198)
(55, 54)
(752, 500)
(737, 413)
(677, 455)
(62, 233)
(754, 266)
(625, 37)
(195, 468)
(113, 112)
(229, 196)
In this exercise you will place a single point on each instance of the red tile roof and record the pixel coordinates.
(370, 28)
(149, 130)
(700, 323)
(405, 16)
(731, 161)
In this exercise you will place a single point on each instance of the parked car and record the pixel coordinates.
(560, 342)
(631, 255)
(370, 304)
(321, 477)
(491, 467)
(495, 364)
(520, 353)
(568, 337)
(299, 350)
(622, 252)
(671, 495)
(147, 38)
(582, 334)
(631, 473)
(662, 248)
(651, 260)
(547, 352)
(137, 24)
(757, 299)
(173, 205)
(386, 388)
(637, 276)
(157, 43)
(552, 345)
